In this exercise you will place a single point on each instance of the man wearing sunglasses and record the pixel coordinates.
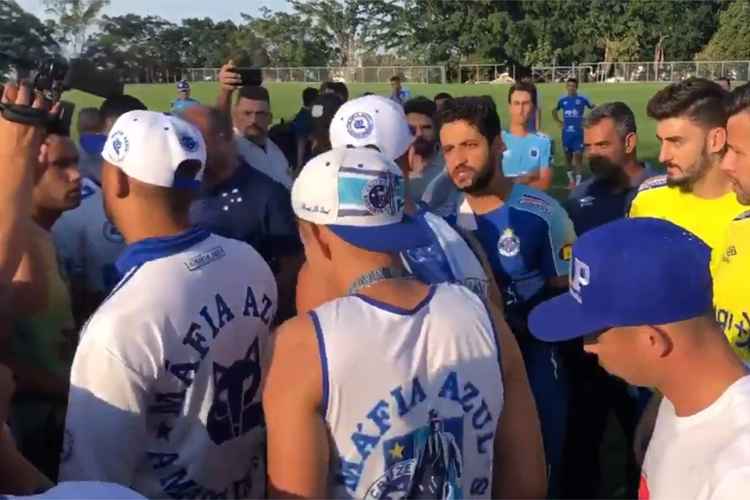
(640, 295)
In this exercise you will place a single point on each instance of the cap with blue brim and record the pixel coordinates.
(630, 272)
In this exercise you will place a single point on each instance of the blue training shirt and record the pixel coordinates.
(573, 108)
(527, 154)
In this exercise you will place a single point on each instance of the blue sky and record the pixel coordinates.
(175, 10)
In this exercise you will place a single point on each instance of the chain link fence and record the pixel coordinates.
(670, 71)
(312, 74)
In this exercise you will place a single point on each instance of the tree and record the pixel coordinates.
(23, 36)
(75, 18)
(732, 38)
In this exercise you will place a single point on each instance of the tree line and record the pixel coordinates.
(373, 32)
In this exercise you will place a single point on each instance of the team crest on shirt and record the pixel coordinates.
(534, 152)
(120, 146)
(233, 412)
(360, 125)
(509, 245)
(426, 463)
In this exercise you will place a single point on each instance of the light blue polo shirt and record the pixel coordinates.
(526, 155)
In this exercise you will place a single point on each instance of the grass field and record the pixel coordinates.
(286, 101)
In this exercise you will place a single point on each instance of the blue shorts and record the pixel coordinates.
(573, 141)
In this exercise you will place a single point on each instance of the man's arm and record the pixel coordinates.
(555, 114)
(520, 470)
(105, 426)
(298, 450)
(229, 81)
(544, 179)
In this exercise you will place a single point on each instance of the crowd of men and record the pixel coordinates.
(377, 299)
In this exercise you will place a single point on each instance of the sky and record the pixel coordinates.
(175, 10)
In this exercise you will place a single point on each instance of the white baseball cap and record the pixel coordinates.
(372, 120)
(151, 146)
(359, 194)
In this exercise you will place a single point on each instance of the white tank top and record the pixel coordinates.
(411, 397)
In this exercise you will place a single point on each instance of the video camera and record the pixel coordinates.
(54, 76)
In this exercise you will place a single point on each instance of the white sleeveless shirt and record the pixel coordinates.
(411, 397)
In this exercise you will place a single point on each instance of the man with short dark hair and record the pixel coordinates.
(302, 124)
(695, 193)
(640, 298)
(398, 94)
(240, 202)
(610, 143)
(528, 156)
(526, 236)
(334, 87)
(425, 159)
(573, 107)
(165, 384)
(183, 100)
(91, 137)
(440, 99)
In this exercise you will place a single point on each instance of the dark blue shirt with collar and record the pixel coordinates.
(251, 207)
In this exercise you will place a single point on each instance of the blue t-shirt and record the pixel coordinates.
(528, 240)
(527, 154)
(251, 207)
(181, 105)
(573, 108)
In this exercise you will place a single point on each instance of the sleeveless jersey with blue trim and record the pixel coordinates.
(527, 154)
(413, 400)
(573, 108)
(449, 259)
(87, 243)
(528, 240)
(165, 386)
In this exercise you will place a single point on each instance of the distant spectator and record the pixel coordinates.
(425, 160)
(91, 139)
(302, 124)
(440, 99)
(725, 83)
(323, 110)
(398, 93)
(183, 100)
(338, 88)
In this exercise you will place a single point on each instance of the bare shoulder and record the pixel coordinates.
(294, 354)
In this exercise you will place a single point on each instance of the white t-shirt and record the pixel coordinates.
(705, 456)
(269, 160)
(165, 385)
(87, 243)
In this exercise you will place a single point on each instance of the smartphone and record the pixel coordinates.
(250, 76)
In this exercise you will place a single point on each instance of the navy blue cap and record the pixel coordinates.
(629, 272)
(183, 86)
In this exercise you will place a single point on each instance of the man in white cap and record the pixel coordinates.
(379, 123)
(165, 382)
(405, 407)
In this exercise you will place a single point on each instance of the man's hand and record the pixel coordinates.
(229, 79)
(417, 163)
(18, 138)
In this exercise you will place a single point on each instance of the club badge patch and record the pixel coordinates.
(509, 245)
(360, 125)
(119, 146)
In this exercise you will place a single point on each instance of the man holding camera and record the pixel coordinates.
(252, 117)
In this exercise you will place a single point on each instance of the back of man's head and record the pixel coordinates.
(114, 107)
(698, 99)
(619, 112)
(90, 121)
(477, 111)
(341, 90)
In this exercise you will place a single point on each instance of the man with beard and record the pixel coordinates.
(527, 237)
(610, 144)
(425, 160)
(731, 261)
(694, 194)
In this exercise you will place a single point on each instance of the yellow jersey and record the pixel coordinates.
(732, 287)
(706, 218)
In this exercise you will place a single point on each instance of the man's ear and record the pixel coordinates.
(631, 141)
(122, 184)
(716, 140)
(660, 341)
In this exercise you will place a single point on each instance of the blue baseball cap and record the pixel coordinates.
(629, 272)
(183, 86)
(359, 194)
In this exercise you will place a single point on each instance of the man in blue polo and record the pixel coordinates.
(573, 107)
(528, 157)
(183, 101)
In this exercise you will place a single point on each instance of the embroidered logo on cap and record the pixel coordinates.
(120, 146)
(360, 125)
(579, 279)
(190, 144)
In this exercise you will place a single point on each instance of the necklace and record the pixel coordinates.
(379, 275)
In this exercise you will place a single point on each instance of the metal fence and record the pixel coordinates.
(669, 71)
(486, 73)
(347, 74)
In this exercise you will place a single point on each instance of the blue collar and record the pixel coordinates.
(150, 249)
